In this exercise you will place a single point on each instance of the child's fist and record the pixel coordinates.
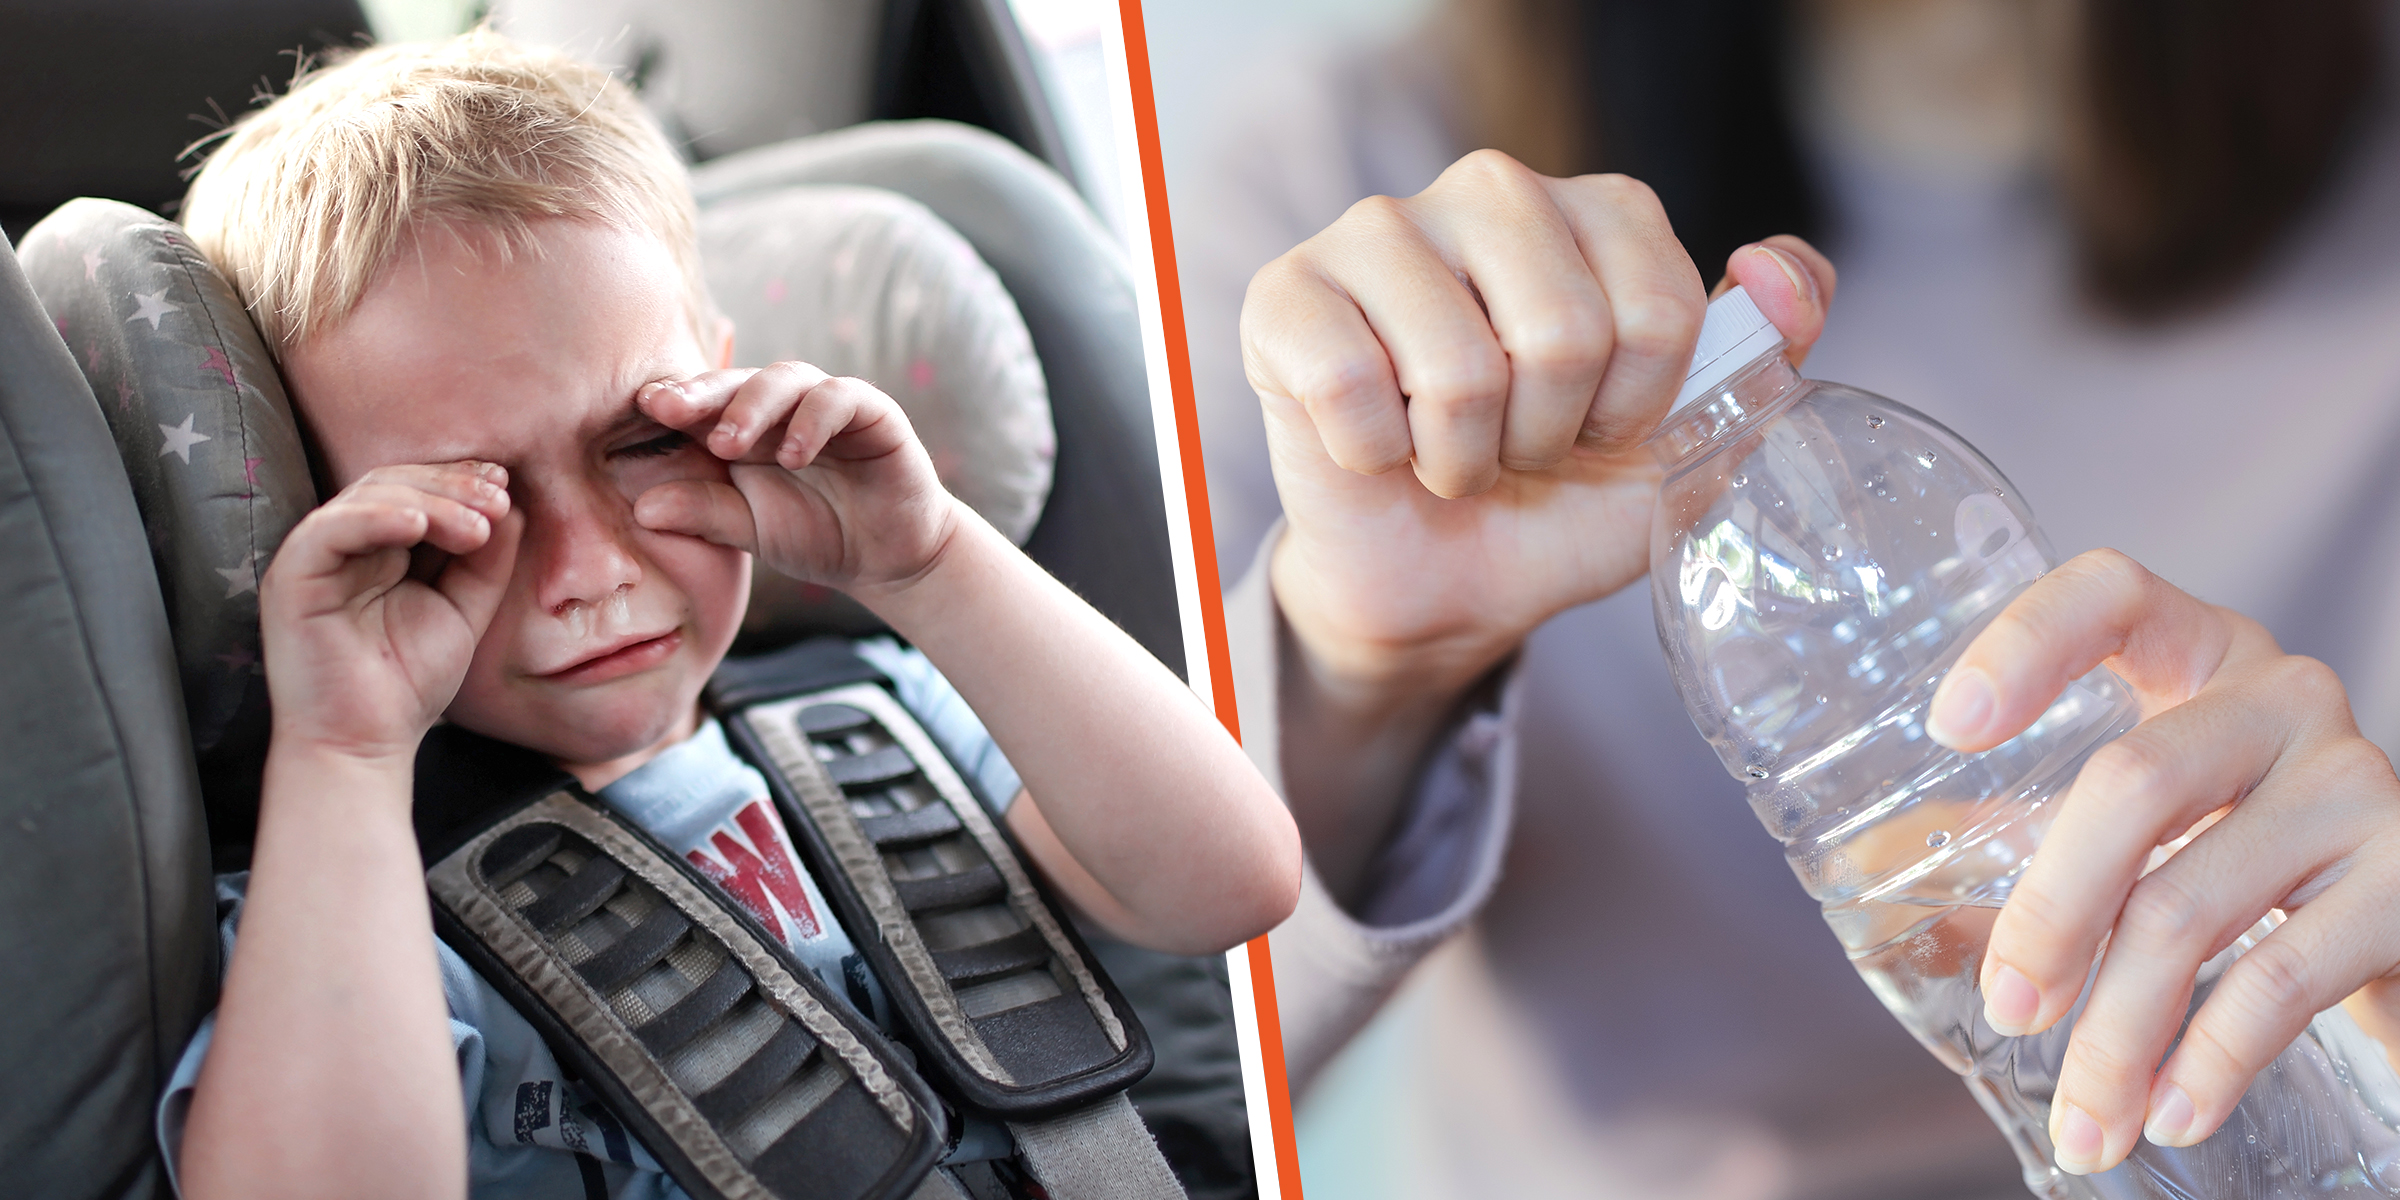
(828, 482)
(362, 653)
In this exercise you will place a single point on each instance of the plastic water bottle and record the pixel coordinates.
(1820, 556)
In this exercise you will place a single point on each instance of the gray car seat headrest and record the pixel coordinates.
(200, 420)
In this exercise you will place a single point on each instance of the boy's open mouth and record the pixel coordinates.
(623, 658)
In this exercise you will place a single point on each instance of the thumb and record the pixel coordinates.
(705, 509)
(1791, 283)
(474, 582)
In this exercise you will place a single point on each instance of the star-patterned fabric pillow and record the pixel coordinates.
(200, 417)
(866, 282)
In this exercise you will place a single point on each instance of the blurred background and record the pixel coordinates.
(1355, 1124)
(201, 62)
(2102, 239)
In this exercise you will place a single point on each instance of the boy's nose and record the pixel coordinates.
(582, 556)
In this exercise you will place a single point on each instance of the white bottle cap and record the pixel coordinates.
(1734, 335)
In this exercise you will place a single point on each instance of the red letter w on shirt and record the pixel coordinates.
(764, 868)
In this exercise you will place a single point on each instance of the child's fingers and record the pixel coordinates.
(329, 539)
(2174, 920)
(449, 506)
(847, 418)
(450, 526)
(474, 582)
(707, 509)
(2137, 792)
(2340, 939)
(747, 430)
(692, 404)
(481, 486)
(2099, 606)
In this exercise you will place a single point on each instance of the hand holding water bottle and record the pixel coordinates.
(1861, 616)
(1455, 387)
(2256, 749)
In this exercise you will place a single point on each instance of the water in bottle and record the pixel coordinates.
(1819, 557)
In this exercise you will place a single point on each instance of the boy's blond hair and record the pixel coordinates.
(307, 198)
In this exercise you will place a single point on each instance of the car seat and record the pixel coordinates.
(107, 951)
(105, 836)
(108, 948)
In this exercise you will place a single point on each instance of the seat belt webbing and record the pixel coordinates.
(1099, 1152)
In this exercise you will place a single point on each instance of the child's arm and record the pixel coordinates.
(2306, 818)
(1137, 804)
(1148, 815)
(331, 1071)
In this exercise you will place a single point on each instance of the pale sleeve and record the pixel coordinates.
(927, 695)
(175, 1105)
(1336, 966)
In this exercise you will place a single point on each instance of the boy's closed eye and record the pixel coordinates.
(667, 442)
(649, 454)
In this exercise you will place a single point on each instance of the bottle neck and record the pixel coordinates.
(1744, 396)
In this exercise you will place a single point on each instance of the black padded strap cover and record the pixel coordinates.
(735, 1066)
(1006, 1005)
(808, 666)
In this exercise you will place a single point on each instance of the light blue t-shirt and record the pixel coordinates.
(530, 1131)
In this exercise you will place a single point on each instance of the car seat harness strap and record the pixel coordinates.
(741, 1072)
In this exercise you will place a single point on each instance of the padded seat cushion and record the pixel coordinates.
(107, 956)
(200, 419)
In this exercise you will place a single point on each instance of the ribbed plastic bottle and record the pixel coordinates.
(1819, 557)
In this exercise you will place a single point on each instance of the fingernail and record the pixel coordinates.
(1802, 282)
(1961, 709)
(2170, 1117)
(2010, 1002)
(726, 429)
(2077, 1140)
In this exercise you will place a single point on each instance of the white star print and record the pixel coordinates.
(240, 577)
(181, 439)
(154, 306)
(91, 266)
